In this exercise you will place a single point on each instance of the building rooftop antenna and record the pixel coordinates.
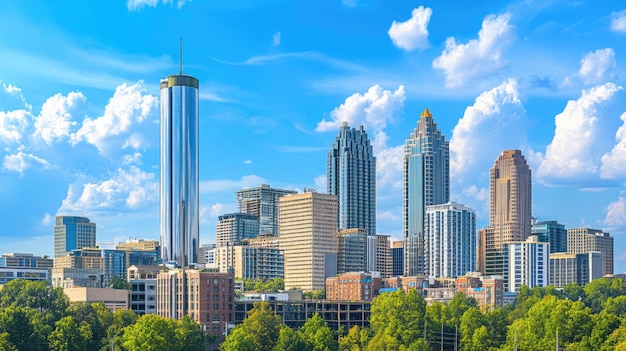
(180, 60)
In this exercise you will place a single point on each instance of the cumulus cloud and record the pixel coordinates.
(13, 125)
(219, 209)
(412, 34)
(215, 186)
(129, 105)
(136, 5)
(55, 119)
(247, 162)
(614, 162)
(20, 161)
(616, 213)
(597, 67)
(578, 141)
(461, 63)
(495, 122)
(47, 219)
(127, 189)
(276, 39)
(321, 183)
(618, 21)
(390, 167)
(373, 109)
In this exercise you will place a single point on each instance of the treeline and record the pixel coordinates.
(34, 317)
(589, 318)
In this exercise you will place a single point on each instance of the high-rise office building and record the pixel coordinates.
(179, 177)
(352, 252)
(263, 203)
(233, 228)
(396, 251)
(426, 182)
(583, 240)
(450, 240)
(351, 176)
(71, 233)
(528, 264)
(510, 191)
(551, 232)
(308, 239)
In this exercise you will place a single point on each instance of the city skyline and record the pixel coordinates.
(79, 104)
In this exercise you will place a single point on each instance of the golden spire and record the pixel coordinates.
(426, 113)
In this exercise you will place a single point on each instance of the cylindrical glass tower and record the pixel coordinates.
(179, 181)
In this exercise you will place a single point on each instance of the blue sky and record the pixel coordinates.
(79, 103)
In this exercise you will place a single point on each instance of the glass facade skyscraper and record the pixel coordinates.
(351, 176)
(426, 181)
(71, 233)
(263, 203)
(179, 198)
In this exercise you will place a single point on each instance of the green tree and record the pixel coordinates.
(471, 322)
(118, 282)
(189, 335)
(599, 290)
(317, 332)
(315, 294)
(25, 327)
(150, 333)
(262, 324)
(239, 340)
(69, 336)
(5, 344)
(99, 318)
(290, 340)
(120, 320)
(356, 339)
(397, 315)
(574, 292)
(36, 295)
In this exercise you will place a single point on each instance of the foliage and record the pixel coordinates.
(356, 339)
(290, 340)
(267, 285)
(315, 294)
(118, 282)
(262, 324)
(397, 318)
(150, 333)
(316, 332)
(69, 336)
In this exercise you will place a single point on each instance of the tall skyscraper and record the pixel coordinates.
(71, 233)
(583, 240)
(179, 196)
(450, 240)
(308, 238)
(426, 182)
(263, 203)
(510, 191)
(351, 176)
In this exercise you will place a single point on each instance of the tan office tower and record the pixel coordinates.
(308, 239)
(584, 240)
(510, 188)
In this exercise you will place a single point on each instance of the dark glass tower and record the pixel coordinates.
(179, 198)
(351, 176)
(426, 182)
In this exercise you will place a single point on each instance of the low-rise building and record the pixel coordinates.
(579, 268)
(143, 280)
(76, 277)
(114, 299)
(353, 286)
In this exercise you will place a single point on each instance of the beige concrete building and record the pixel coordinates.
(383, 255)
(583, 240)
(76, 277)
(139, 245)
(81, 258)
(308, 239)
(114, 299)
(250, 262)
(510, 199)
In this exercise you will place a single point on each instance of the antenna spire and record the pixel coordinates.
(181, 56)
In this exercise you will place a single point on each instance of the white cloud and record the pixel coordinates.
(219, 209)
(127, 189)
(134, 141)
(132, 159)
(618, 21)
(614, 162)
(47, 220)
(389, 168)
(127, 106)
(55, 119)
(247, 162)
(216, 186)
(276, 39)
(13, 125)
(412, 34)
(616, 213)
(136, 5)
(597, 67)
(321, 183)
(350, 3)
(373, 109)
(495, 122)
(20, 161)
(461, 63)
(574, 151)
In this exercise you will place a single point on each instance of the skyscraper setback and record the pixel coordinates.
(179, 178)
(351, 176)
(426, 181)
(510, 192)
